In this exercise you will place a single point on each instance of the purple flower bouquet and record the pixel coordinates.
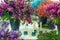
(16, 11)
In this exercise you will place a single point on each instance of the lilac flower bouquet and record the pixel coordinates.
(16, 11)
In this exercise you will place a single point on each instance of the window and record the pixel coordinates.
(33, 33)
(25, 33)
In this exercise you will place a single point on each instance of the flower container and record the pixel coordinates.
(15, 24)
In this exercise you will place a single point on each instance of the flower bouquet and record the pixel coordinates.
(14, 11)
(54, 13)
(41, 12)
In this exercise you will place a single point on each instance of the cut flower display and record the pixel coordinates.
(16, 9)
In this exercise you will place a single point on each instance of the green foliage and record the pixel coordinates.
(48, 36)
(6, 16)
(56, 20)
(46, 26)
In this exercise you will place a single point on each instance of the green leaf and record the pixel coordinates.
(7, 16)
(56, 20)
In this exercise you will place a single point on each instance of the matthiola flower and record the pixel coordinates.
(0, 10)
(1, 13)
(13, 36)
(11, 9)
(53, 9)
(4, 6)
(58, 13)
(51, 6)
(3, 33)
(20, 2)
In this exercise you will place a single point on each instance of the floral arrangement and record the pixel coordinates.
(50, 9)
(16, 9)
(53, 11)
(41, 12)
